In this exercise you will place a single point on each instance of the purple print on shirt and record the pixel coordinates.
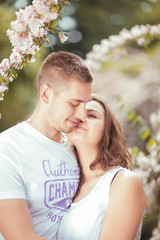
(58, 193)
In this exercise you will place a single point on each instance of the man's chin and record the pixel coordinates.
(69, 130)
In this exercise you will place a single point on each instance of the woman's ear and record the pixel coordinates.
(45, 92)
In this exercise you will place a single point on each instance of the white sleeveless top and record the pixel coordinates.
(83, 220)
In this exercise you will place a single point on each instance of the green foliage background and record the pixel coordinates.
(93, 19)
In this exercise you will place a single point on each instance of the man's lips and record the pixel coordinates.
(73, 121)
(77, 124)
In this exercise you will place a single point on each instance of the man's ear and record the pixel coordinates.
(45, 92)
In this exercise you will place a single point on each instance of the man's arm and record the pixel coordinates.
(15, 221)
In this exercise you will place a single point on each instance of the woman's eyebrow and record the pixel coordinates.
(93, 110)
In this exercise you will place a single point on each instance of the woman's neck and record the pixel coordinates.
(86, 156)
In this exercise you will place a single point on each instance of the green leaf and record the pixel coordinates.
(130, 114)
(53, 31)
(140, 120)
(121, 107)
(119, 98)
(134, 121)
(60, 18)
(144, 133)
(38, 54)
(24, 64)
(54, 24)
(135, 150)
(36, 41)
(150, 143)
(14, 74)
(1, 80)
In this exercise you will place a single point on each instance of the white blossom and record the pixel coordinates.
(137, 33)
(26, 33)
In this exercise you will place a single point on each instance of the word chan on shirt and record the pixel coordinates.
(58, 193)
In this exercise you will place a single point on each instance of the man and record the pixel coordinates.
(38, 169)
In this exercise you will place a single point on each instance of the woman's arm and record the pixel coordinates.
(15, 221)
(125, 208)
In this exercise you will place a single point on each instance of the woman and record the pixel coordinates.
(110, 201)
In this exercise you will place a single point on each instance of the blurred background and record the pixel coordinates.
(133, 77)
(86, 22)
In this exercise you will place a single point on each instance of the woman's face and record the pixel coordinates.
(89, 132)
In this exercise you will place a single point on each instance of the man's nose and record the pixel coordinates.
(81, 113)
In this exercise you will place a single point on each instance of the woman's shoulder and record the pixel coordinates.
(127, 174)
(128, 182)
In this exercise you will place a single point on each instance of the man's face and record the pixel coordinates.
(68, 107)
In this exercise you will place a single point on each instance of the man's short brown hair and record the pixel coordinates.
(59, 66)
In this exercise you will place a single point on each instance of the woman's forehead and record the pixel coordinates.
(94, 106)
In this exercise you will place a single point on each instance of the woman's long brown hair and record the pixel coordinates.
(112, 148)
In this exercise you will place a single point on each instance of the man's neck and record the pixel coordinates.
(41, 125)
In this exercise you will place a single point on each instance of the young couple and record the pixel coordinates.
(81, 189)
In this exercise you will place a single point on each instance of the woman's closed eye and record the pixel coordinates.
(92, 115)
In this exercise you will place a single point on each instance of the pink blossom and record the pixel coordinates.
(38, 30)
(106, 43)
(29, 14)
(19, 14)
(50, 16)
(28, 48)
(15, 37)
(141, 41)
(62, 37)
(116, 39)
(32, 59)
(11, 78)
(3, 88)
(52, 2)
(41, 7)
(136, 31)
(155, 29)
(18, 26)
(144, 29)
(32, 19)
(125, 34)
(5, 64)
(16, 59)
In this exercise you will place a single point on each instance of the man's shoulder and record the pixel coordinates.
(10, 134)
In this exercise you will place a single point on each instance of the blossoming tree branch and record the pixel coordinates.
(142, 35)
(27, 34)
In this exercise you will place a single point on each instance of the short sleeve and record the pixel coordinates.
(11, 182)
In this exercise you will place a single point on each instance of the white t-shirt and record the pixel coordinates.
(45, 173)
(83, 220)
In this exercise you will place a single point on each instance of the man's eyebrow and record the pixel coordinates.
(77, 100)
